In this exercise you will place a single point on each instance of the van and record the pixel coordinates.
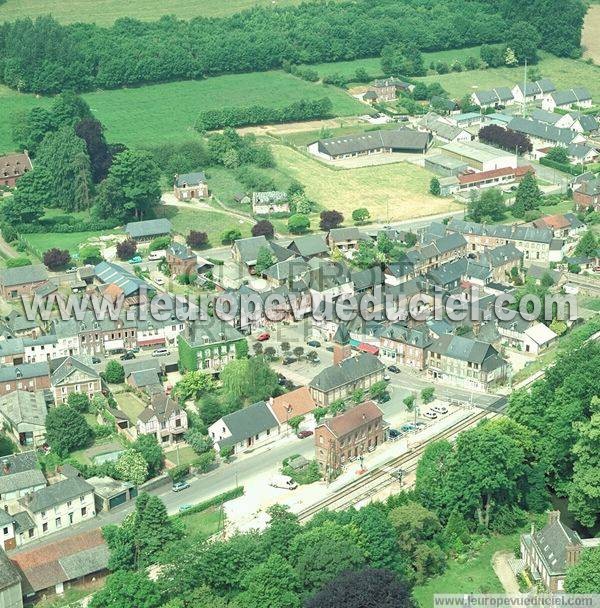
(160, 352)
(159, 254)
(284, 482)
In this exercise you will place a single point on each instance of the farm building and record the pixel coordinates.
(445, 166)
(190, 185)
(148, 229)
(478, 156)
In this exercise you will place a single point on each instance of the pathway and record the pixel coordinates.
(504, 572)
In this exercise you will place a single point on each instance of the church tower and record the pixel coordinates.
(341, 344)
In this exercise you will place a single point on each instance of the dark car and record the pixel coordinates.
(314, 343)
(394, 368)
(281, 379)
(96, 360)
(394, 434)
(180, 485)
(288, 360)
(304, 434)
(127, 356)
(384, 398)
(329, 349)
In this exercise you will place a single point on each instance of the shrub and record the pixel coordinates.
(330, 219)
(126, 249)
(90, 255)
(114, 373)
(229, 236)
(179, 472)
(162, 242)
(196, 239)
(55, 258)
(263, 228)
(9, 233)
(205, 461)
(298, 224)
(79, 402)
(18, 262)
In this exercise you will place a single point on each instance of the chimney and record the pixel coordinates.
(553, 517)
(572, 554)
(6, 467)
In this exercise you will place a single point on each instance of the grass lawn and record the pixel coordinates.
(104, 12)
(476, 575)
(590, 38)
(402, 187)
(186, 455)
(154, 114)
(204, 524)
(130, 405)
(71, 241)
(565, 73)
(451, 55)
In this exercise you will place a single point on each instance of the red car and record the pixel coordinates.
(263, 337)
(304, 434)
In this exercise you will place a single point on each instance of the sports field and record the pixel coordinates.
(104, 12)
(400, 188)
(160, 113)
(565, 73)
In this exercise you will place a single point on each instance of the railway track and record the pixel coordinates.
(373, 481)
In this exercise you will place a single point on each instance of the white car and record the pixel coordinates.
(159, 281)
(161, 352)
(431, 415)
(71, 270)
(440, 409)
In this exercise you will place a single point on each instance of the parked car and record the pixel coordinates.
(127, 356)
(394, 369)
(419, 424)
(387, 377)
(394, 434)
(184, 508)
(96, 360)
(314, 343)
(136, 259)
(283, 481)
(159, 281)
(159, 254)
(430, 414)
(263, 337)
(439, 409)
(383, 398)
(329, 348)
(406, 428)
(180, 485)
(288, 360)
(281, 379)
(304, 434)
(71, 270)
(161, 352)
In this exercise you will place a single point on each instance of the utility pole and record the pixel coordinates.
(525, 91)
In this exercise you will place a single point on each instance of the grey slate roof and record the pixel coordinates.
(146, 377)
(248, 249)
(571, 96)
(501, 255)
(24, 370)
(497, 95)
(544, 85)
(10, 277)
(12, 346)
(587, 122)
(190, 179)
(149, 228)
(288, 269)
(25, 410)
(397, 139)
(56, 494)
(23, 480)
(248, 422)
(211, 331)
(367, 278)
(347, 371)
(579, 151)
(107, 272)
(503, 231)
(552, 541)
(466, 349)
(309, 245)
(351, 233)
(415, 336)
(549, 118)
(440, 128)
(542, 130)
(9, 574)
(181, 251)
(63, 368)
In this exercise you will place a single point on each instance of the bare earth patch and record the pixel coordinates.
(591, 33)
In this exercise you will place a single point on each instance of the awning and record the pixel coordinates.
(114, 344)
(368, 348)
(151, 341)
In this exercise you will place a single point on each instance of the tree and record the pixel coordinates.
(431, 488)
(298, 223)
(27, 204)
(588, 244)
(264, 259)
(360, 215)
(90, 255)
(126, 589)
(492, 55)
(358, 396)
(197, 239)
(488, 207)
(505, 139)
(271, 584)
(366, 588)
(523, 39)
(249, 379)
(427, 394)
(199, 441)
(99, 152)
(263, 228)
(229, 236)
(420, 92)
(205, 461)
(148, 447)
(131, 188)
(378, 389)
(330, 219)
(528, 196)
(30, 128)
(69, 108)
(132, 466)
(159, 243)
(56, 259)
(298, 351)
(365, 256)
(409, 402)
(126, 249)
(67, 430)
(79, 402)
(193, 385)
(114, 372)
(402, 60)
(558, 154)
(282, 529)
(434, 187)
(584, 576)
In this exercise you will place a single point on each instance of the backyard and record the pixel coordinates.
(131, 405)
(184, 455)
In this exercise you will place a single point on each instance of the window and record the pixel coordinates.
(82, 499)
(45, 527)
(58, 522)
(43, 513)
(30, 532)
(68, 503)
(5, 530)
(83, 511)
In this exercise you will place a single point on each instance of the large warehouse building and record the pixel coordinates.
(480, 157)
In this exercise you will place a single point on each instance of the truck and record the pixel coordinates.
(284, 482)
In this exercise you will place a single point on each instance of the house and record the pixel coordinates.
(129, 284)
(71, 561)
(22, 281)
(494, 178)
(533, 91)
(345, 239)
(403, 345)
(190, 185)
(578, 97)
(401, 140)
(59, 505)
(369, 97)
(577, 121)
(478, 156)
(28, 377)
(500, 261)
(249, 427)
(525, 336)
(146, 380)
(442, 131)
(164, 419)
(351, 435)
(549, 118)
(23, 415)
(581, 153)
(500, 96)
(110, 493)
(180, 259)
(298, 402)
(245, 251)
(265, 203)
(148, 229)
(586, 192)
(11, 592)
(542, 134)
(465, 119)
(387, 89)
(467, 363)
(328, 281)
(209, 345)
(153, 332)
(562, 225)
(309, 246)
(20, 474)
(551, 551)
(443, 104)
(12, 167)
(73, 375)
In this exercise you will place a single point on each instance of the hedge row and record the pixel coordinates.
(571, 169)
(63, 228)
(216, 500)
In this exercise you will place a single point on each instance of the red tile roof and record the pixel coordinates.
(295, 403)
(354, 418)
(472, 178)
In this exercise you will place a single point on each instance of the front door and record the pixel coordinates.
(9, 543)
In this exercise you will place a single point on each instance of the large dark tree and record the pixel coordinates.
(126, 249)
(505, 139)
(197, 239)
(263, 228)
(91, 131)
(367, 588)
(330, 219)
(55, 258)
(67, 430)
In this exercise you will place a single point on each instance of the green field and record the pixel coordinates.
(475, 575)
(186, 455)
(104, 12)
(130, 405)
(204, 524)
(565, 73)
(160, 113)
(70, 241)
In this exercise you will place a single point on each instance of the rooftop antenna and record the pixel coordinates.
(525, 91)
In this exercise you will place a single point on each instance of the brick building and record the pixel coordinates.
(12, 167)
(24, 280)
